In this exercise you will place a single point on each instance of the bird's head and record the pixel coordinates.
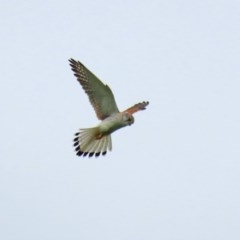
(127, 118)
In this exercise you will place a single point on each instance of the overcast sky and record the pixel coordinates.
(174, 174)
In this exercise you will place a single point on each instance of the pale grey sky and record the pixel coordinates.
(174, 174)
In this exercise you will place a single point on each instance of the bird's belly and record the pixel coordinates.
(107, 127)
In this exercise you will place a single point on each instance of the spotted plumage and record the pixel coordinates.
(97, 141)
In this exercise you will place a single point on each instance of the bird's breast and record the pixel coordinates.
(111, 124)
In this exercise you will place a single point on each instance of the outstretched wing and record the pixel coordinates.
(100, 95)
(137, 107)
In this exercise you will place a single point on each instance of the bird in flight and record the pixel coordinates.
(97, 140)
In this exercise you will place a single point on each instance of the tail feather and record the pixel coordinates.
(94, 146)
(90, 146)
(87, 142)
(104, 145)
(107, 144)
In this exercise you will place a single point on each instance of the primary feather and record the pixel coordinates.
(100, 95)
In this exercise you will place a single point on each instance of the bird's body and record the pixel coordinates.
(112, 123)
(97, 140)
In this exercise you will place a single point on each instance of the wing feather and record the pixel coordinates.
(99, 94)
(137, 107)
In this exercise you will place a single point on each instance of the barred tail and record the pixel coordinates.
(88, 143)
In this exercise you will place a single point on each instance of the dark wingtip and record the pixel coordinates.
(85, 154)
(79, 153)
(77, 148)
(75, 144)
(91, 154)
(75, 139)
(72, 63)
(145, 104)
(97, 154)
(71, 60)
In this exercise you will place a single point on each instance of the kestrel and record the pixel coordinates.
(97, 140)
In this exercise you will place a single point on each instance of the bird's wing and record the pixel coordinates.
(137, 107)
(100, 95)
